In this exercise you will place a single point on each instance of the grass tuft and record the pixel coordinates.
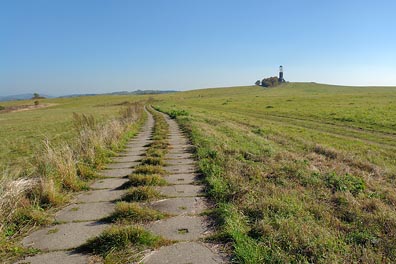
(141, 193)
(146, 180)
(117, 238)
(134, 213)
(149, 169)
(155, 161)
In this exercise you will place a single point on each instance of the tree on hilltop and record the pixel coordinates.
(270, 82)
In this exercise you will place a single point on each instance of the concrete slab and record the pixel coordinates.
(186, 178)
(110, 183)
(85, 212)
(181, 169)
(184, 252)
(180, 150)
(178, 141)
(117, 173)
(180, 162)
(106, 195)
(137, 149)
(64, 236)
(131, 153)
(181, 190)
(175, 135)
(139, 142)
(180, 227)
(182, 205)
(122, 165)
(127, 158)
(182, 145)
(183, 155)
(58, 257)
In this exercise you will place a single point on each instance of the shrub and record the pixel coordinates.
(270, 82)
(175, 113)
(2, 107)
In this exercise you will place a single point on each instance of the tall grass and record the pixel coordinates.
(63, 168)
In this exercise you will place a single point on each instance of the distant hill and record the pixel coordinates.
(26, 96)
(137, 92)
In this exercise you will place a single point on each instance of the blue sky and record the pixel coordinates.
(90, 46)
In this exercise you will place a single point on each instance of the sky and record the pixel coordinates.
(59, 47)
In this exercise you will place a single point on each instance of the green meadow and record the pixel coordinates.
(23, 133)
(302, 172)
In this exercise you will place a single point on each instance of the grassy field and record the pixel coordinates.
(299, 173)
(49, 153)
(23, 133)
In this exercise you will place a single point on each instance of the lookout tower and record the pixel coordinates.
(280, 79)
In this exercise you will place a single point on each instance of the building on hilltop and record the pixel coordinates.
(272, 81)
(281, 79)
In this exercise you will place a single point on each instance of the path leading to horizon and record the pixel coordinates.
(186, 202)
(80, 220)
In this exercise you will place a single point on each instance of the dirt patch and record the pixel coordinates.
(20, 108)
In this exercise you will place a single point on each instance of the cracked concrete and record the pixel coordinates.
(184, 252)
(63, 236)
(181, 227)
(79, 218)
(78, 221)
(186, 206)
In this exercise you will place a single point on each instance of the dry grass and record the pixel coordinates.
(62, 168)
(12, 192)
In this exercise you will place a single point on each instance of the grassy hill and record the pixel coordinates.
(302, 172)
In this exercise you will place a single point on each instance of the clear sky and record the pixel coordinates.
(91, 46)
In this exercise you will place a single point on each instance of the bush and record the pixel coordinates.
(2, 107)
(270, 82)
(175, 113)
